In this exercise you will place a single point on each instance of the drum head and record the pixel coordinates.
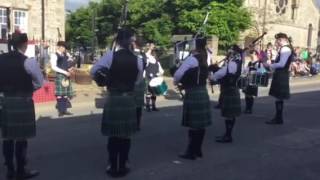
(156, 81)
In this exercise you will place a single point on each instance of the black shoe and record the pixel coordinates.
(27, 174)
(68, 113)
(123, 171)
(11, 174)
(199, 155)
(60, 114)
(224, 139)
(155, 109)
(112, 172)
(187, 156)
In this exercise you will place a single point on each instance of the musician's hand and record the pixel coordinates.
(68, 74)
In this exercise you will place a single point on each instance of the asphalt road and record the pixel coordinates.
(73, 149)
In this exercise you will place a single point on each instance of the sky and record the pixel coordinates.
(75, 4)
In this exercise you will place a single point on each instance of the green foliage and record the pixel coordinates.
(158, 20)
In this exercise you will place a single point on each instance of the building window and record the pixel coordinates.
(281, 6)
(20, 21)
(3, 23)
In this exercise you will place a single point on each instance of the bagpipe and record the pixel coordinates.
(101, 77)
(186, 47)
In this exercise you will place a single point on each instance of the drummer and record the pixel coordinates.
(153, 70)
(196, 103)
(230, 101)
(253, 66)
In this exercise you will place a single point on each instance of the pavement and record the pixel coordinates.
(72, 148)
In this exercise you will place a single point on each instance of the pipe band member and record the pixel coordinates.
(20, 76)
(230, 102)
(140, 87)
(153, 70)
(280, 82)
(119, 121)
(255, 65)
(61, 64)
(196, 104)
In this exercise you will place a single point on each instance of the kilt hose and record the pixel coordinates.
(139, 91)
(231, 103)
(63, 91)
(119, 115)
(196, 108)
(18, 118)
(280, 85)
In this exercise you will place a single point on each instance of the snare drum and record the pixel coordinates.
(258, 79)
(158, 86)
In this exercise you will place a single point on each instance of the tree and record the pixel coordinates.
(158, 20)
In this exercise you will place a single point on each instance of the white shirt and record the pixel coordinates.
(189, 63)
(32, 67)
(151, 59)
(54, 61)
(284, 54)
(232, 66)
(106, 62)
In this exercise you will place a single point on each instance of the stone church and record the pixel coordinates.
(27, 16)
(298, 18)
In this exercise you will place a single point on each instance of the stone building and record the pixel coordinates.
(27, 16)
(298, 18)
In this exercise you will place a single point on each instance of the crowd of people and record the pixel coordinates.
(305, 63)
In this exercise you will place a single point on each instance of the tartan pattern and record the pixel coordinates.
(139, 91)
(60, 90)
(280, 85)
(251, 90)
(231, 103)
(119, 115)
(196, 108)
(18, 118)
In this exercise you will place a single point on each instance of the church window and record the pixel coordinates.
(281, 6)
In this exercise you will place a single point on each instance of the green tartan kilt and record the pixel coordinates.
(231, 103)
(196, 108)
(119, 115)
(280, 85)
(18, 118)
(63, 91)
(139, 93)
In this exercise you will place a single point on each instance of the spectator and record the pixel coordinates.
(271, 53)
(315, 68)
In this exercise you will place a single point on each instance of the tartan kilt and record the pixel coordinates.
(231, 103)
(119, 115)
(18, 118)
(251, 90)
(196, 108)
(280, 85)
(139, 91)
(63, 91)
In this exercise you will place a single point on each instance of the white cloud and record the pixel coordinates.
(75, 4)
